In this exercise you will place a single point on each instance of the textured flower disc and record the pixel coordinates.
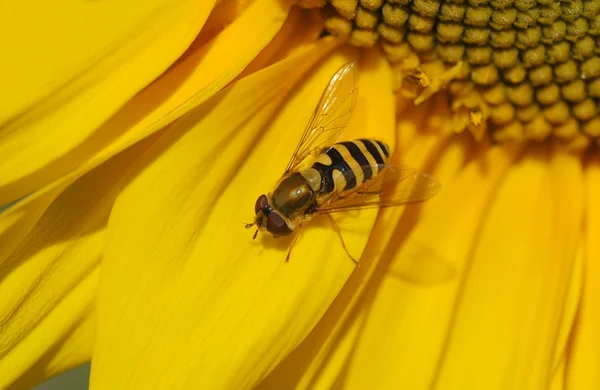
(520, 69)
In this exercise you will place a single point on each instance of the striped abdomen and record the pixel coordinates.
(348, 164)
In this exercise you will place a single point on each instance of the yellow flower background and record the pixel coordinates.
(136, 137)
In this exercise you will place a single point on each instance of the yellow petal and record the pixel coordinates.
(565, 336)
(71, 67)
(92, 36)
(186, 297)
(48, 282)
(374, 117)
(187, 84)
(203, 71)
(516, 298)
(392, 311)
(568, 320)
(73, 351)
(18, 220)
(330, 372)
(321, 359)
(62, 340)
(496, 325)
(583, 356)
(300, 30)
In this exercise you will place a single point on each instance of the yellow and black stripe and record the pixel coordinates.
(348, 164)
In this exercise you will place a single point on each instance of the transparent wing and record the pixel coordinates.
(393, 186)
(331, 116)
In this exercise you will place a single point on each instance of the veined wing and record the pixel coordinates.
(330, 117)
(393, 186)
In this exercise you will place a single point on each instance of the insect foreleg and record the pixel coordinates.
(296, 238)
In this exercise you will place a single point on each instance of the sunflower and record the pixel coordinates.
(136, 138)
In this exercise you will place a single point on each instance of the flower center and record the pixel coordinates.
(519, 69)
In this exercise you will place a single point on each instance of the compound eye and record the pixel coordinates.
(262, 203)
(276, 225)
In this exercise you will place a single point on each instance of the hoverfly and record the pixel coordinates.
(324, 176)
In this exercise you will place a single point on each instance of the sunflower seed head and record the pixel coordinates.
(521, 69)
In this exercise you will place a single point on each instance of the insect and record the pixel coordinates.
(324, 177)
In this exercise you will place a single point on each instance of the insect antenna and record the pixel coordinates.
(339, 233)
(248, 226)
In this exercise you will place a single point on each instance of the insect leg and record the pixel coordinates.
(338, 231)
(296, 237)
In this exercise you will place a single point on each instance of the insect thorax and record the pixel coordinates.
(293, 196)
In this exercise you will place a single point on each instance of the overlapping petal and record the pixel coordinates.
(179, 265)
(491, 270)
(206, 68)
(506, 303)
(48, 282)
(42, 320)
(63, 340)
(203, 72)
(421, 262)
(515, 299)
(583, 355)
(321, 359)
(72, 66)
(373, 117)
